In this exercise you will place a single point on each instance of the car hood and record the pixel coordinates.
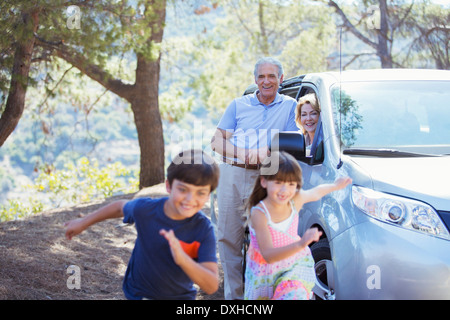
(426, 179)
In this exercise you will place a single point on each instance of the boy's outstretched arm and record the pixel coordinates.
(205, 274)
(112, 210)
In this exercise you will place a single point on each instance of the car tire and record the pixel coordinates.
(323, 266)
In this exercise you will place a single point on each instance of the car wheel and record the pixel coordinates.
(324, 288)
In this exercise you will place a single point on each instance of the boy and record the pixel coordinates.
(175, 245)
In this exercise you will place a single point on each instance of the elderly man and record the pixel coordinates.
(242, 138)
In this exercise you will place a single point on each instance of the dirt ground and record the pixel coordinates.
(35, 257)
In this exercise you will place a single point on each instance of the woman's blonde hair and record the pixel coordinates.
(311, 99)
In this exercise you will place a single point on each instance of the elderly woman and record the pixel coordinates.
(307, 116)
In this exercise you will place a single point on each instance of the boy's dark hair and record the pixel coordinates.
(194, 167)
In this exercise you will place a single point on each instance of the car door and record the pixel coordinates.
(312, 168)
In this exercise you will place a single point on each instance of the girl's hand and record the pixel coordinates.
(310, 236)
(342, 182)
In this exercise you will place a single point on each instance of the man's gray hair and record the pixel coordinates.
(270, 60)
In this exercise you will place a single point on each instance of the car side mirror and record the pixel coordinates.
(293, 142)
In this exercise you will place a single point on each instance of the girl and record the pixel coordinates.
(279, 262)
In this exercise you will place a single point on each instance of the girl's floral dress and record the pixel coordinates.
(289, 279)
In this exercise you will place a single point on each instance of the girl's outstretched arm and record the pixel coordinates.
(316, 193)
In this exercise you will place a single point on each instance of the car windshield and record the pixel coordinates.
(412, 117)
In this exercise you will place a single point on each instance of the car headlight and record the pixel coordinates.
(402, 212)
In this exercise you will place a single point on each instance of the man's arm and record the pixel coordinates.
(112, 210)
(221, 144)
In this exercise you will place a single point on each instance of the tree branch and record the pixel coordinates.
(15, 103)
(91, 70)
(351, 27)
(263, 41)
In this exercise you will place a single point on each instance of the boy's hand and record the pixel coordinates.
(112, 210)
(74, 227)
(205, 275)
(178, 253)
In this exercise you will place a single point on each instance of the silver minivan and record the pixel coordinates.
(388, 235)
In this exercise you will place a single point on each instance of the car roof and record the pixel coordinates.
(383, 75)
(363, 75)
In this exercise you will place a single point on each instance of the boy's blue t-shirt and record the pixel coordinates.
(152, 272)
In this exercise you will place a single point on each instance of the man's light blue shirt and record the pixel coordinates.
(253, 124)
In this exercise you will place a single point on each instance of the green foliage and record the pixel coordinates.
(80, 182)
(16, 209)
(108, 34)
(300, 35)
(309, 44)
(85, 181)
(173, 104)
(346, 113)
(207, 61)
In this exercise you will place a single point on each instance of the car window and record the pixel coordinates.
(317, 146)
(291, 92)
(407, 115)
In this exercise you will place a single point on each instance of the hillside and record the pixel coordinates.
(35, 256)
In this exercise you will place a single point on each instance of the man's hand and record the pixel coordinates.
(255, 156)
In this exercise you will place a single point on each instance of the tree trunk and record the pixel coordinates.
(382, 47)
(142, 95)
(148, 123)
(15, 103)
(383, 50)
(144, 104)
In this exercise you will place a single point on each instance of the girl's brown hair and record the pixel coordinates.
(288, 170)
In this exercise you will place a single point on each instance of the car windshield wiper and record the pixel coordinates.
(386, 153)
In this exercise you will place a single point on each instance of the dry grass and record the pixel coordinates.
(35, 255)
